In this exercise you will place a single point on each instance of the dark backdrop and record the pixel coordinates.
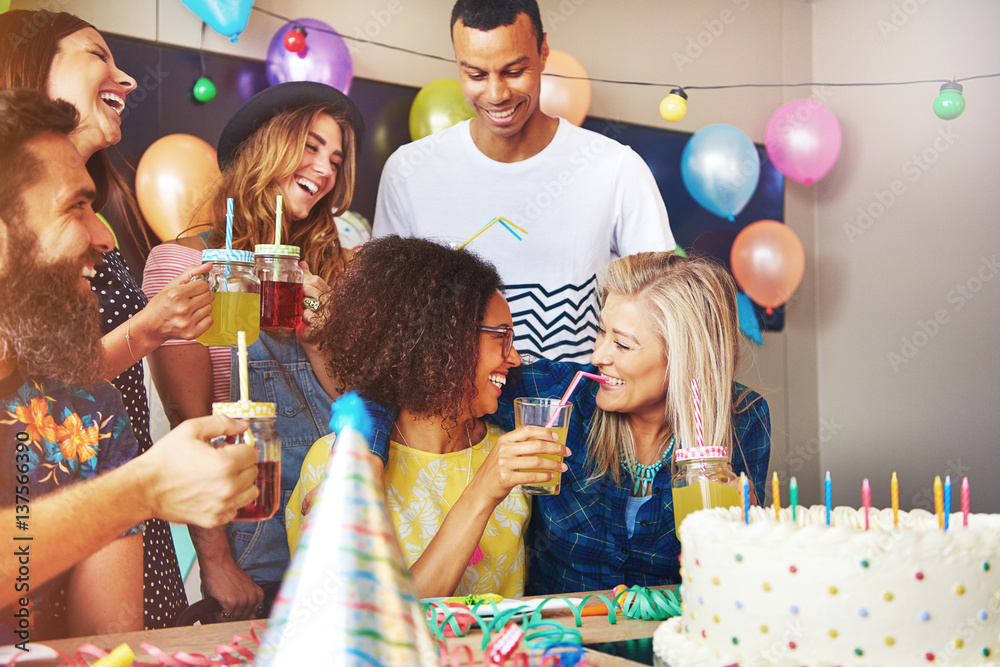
(162, 104)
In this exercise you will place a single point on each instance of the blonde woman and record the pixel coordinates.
(299, 140)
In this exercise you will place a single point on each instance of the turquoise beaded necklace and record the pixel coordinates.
(644, 474)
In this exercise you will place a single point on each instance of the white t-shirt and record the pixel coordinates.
(584, 200)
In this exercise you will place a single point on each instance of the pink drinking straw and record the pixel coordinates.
(697, 412)
(965, 502)
(866, 499)
(569, 392)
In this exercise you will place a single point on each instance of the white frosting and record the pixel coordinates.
(781, 593)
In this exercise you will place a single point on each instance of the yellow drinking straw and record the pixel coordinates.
(939, 501)
(776, 493)
(895, 500)
(241, 342)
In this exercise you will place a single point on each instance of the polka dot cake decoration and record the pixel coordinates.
(804, 594)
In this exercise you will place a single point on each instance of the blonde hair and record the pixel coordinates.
(271, 153)
(689, 305)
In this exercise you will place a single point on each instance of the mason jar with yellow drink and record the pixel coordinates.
(547, 412)
(703, 478)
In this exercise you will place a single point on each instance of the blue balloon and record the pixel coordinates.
(226, 17)
(720, 167)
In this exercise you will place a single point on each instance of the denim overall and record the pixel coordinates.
(279, 372)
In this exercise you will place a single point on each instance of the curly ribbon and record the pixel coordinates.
(228, 654)
(640, 602)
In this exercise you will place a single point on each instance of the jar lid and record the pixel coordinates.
(223, 255)
(282, 250)
(244, 409)
(689, 453)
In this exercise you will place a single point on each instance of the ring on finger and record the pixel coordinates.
(310, 303)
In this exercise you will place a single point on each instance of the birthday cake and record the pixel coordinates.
(783, 593)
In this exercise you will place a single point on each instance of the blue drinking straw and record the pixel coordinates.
(229, 223)
(829, 498)
(947, 500)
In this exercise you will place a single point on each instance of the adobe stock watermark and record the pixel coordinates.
(957, 298)
(149, 82)
(913, 169)
(703, 40)
(553, 17)
(373, 29)
(30, 25)
(924, 498)
(828, 429)
(899, 16)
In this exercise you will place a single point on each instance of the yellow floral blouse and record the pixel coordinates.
(420, 489)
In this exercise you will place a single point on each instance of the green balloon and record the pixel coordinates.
(439, 105)
(204, 90)
(4, 6)
(949, 105)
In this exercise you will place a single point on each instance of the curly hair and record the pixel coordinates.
(402, 324)
(491, 14)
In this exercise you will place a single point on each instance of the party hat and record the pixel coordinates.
(347, 597)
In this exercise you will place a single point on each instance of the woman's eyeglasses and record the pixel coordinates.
(508, 337)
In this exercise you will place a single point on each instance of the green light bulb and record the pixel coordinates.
(204, 90)
(949, 104)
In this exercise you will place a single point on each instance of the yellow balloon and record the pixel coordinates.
(437, 106)
(673, 107)
(4, 6)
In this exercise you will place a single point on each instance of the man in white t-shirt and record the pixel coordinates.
(547, 202)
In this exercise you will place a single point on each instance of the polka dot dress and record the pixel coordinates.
(163, 587)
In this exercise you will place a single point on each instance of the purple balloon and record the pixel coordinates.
(324, 60)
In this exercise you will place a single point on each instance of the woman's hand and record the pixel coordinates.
(182, 309)
(313, 287)
(513, 456)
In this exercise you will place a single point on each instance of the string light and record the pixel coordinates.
(674, 106)
(204, 90)
(949, 97)
(295, 39)
(949, 104)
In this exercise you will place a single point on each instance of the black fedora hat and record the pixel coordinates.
(283, 97)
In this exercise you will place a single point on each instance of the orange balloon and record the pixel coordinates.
(172, 179)
(768, 262)
(567, 98)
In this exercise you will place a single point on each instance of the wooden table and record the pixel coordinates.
(205, 638)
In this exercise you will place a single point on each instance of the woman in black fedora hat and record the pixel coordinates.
(299, 140)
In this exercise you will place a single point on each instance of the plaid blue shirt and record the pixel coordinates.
(578, 540)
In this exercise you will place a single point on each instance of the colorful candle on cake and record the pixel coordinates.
(745, 488)
(793, 496)
(827, 496)
(866, 499)
(947, 501)
(895, 500)
(776, 496)
(939, 501)
(965, 502)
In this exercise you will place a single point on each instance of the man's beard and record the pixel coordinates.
(46, 321)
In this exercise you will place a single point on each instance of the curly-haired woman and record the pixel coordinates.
(437, 343)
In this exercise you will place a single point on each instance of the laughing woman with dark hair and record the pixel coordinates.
(425, 328)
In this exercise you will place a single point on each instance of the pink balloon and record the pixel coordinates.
(567, 98)
(803, 140)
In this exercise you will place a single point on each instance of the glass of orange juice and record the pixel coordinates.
(549, 413)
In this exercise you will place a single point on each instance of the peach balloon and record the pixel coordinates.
(768, 262)
(172, 179)
(567, 98)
